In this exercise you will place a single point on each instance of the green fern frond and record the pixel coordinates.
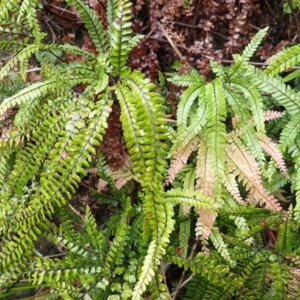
(283, 60)
(93, 235)
(6, 7)
(281, 93)
(186, 101)
(255, 100)
(187, 79)
(184, 233)
(216, 129)
(120, 35)
(211, 268)
(28, 10)
(112, 8)
(185, 134)
(24, 54)
(191, 198)
(159, 214)
(92, 23)
(248, 52)
(141, 110)
(220, 246)
(35, 152)
(289, 132)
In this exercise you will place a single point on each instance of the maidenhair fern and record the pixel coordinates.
(218, 194)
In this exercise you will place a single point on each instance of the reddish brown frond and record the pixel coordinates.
(265, 199)
(272, 114)
(243, 165)
(240, 161)
(231, 185)
(205, 223)
(204, 173)
(271, 148)
(180, 159)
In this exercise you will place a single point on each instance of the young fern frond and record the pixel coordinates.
(248, 52)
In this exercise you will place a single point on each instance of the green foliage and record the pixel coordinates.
(219, 193)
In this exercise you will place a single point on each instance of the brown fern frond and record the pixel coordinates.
(265, 199)
(93, 171)
(232, 187)
(186, 209)
(204, 173)
(122, 177)
(235, 121)
(239, 131)
(180, 159)
(241, 161)
(271, 148)
(272, 114)
(243, 165)
(101, 184)
(205, 223)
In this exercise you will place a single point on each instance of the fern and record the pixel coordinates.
(203, 201)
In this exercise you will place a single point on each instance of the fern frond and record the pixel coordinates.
(204, 173)
(289, 132)
(209, 267)
(248, 52)
(191, 198)
(180, 159)
(216, 113)
(24, 54)
(92, 23)
(283, 60)
(6, 7)
(159, 214)
(186, 101)
(282, 93)
(271, 148)
(272, 114)
(186, 135)
(35, 152)
(29, 9)
(205, 223)
(255, 100)
(120, 35)
(187, 79)
(220, 246)
(232, 187)
(141, 110)
(243, 165)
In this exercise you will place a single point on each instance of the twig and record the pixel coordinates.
(171, 42)
(182, 282)
(191, 33)
(270, 9)
(198, 27)
(163, 267)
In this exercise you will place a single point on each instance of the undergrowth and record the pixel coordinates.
(204, 195)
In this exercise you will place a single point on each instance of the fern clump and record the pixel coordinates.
(220, 193)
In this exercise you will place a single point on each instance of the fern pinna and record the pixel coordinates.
(221, 171)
